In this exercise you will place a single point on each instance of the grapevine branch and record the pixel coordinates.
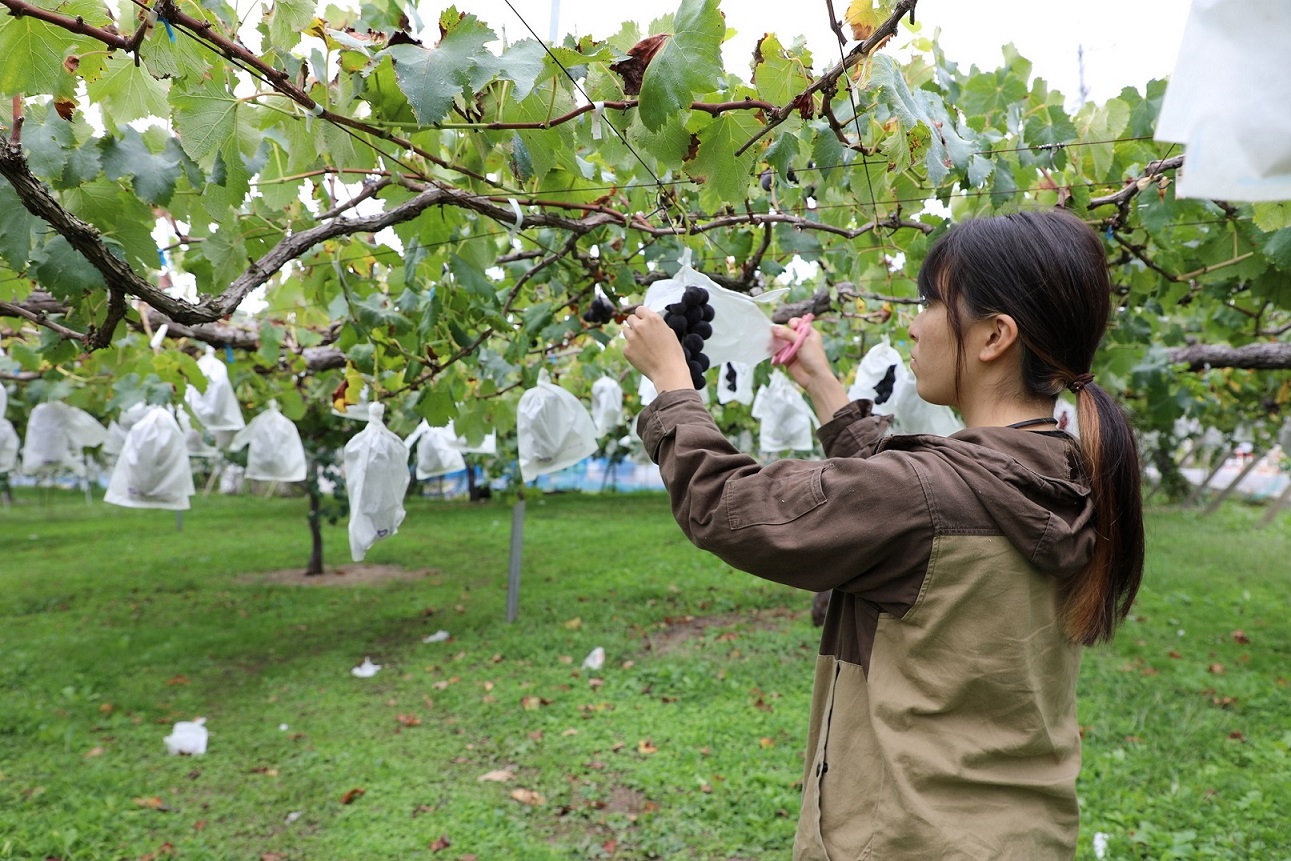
(882, 33)
(1121, 199)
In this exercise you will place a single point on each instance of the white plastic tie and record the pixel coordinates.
(159, 336)
(515, 207)
(316, 110)
(152, 16)
(376, 411)
(685, 257)
(598, 110)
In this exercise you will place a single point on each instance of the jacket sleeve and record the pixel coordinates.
(860, 524)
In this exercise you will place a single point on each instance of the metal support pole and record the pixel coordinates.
(1198, 490)
(513, 568)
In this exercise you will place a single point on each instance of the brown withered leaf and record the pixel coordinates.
(349, 797)
(645, 747)
(66, 108)
(408, 720)
(440, 843)
(633, 68)
(528, 796)
(1217, 669)
(71, 63)
(1239, 636)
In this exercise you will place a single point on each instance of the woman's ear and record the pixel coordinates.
(999, 333)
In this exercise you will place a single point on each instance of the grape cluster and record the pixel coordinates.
(692, 320)
(883, 390)
(600, 311)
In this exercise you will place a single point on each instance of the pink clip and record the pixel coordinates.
(786, 354)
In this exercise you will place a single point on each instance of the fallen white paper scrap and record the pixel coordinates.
(595, 660)
(437, 637)
(187, 737)
(1100, 845)
(366, 670)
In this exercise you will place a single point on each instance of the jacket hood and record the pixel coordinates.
(1032, 484)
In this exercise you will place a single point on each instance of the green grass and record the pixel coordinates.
(687, 744)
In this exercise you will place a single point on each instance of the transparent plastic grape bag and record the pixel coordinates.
(152, 470)
(376, 478)
(554, 428)
(436, 454)
(788, 423)
(276, 452)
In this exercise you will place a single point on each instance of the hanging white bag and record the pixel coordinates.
(741, 327)
(376, 478)
(554, 429)
(216, 408)
(56, 437)
(911, 414)
(9, 445)
(487, 446)
(152, 470)
(787, 421)
(877, 377)
(197, 445)
(1065, 413)
(607, 405)
(1232, 69)
(435, 452)
(735, 383)
(276, 452)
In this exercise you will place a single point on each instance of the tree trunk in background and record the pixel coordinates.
(315, 566)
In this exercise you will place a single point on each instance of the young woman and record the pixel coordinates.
(967, 571)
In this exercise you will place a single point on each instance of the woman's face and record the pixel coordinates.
(932, 359)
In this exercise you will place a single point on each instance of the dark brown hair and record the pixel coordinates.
(1047, 270)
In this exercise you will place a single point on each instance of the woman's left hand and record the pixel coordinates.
(653, 349)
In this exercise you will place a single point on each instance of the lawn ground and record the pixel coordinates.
(685, 744)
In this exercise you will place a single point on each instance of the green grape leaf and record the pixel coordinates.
(207, 117)
(781, 153)
(120, 216)
(127, 92)
(17, 227)
(689, 62)
(778, 76)
(716, 163)
(48, 144)
(1278, 248)
(287, 20)
(1271, 216)
(180, 58)
(432, 78)
(63, 271)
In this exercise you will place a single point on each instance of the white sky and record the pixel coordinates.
(1126, 42)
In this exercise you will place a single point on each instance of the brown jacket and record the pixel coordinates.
(943, 718)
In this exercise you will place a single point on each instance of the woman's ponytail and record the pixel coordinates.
(1095, 600)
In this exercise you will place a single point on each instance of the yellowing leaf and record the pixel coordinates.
(645, 747)
(574, 624)
(865, 16)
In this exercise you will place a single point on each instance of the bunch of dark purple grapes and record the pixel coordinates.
(692, 320)
(600, 311)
